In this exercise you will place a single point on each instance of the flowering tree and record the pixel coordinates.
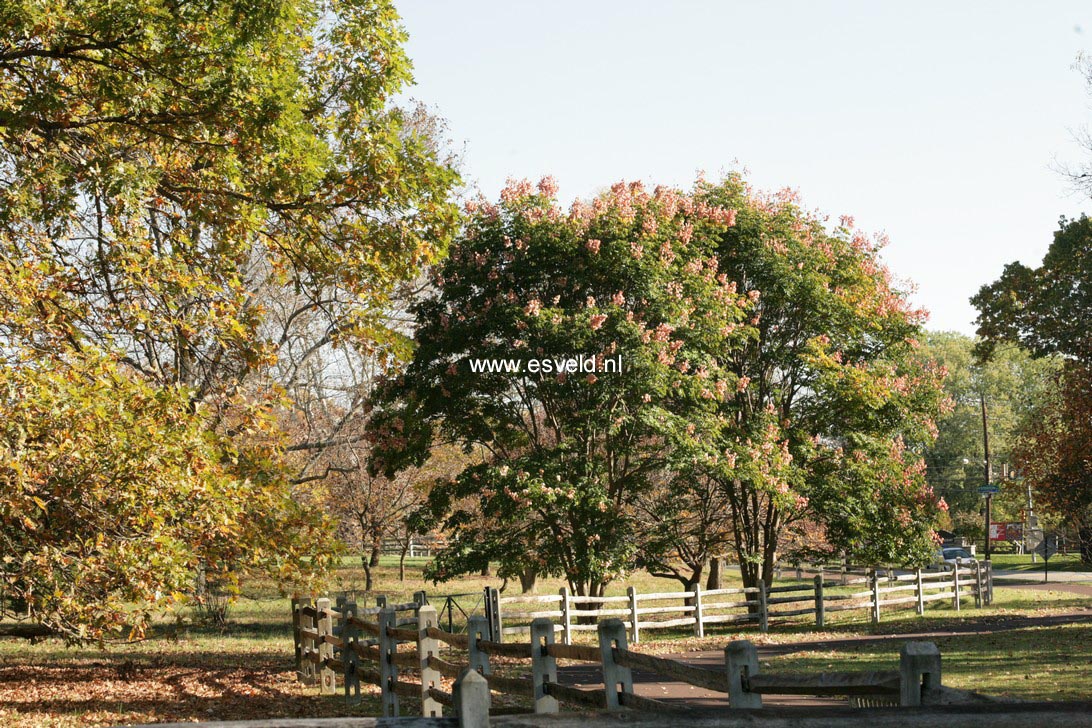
(831, 408)
(566, 455)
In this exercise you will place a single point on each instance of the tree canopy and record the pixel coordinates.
(628, 278)
(767, 365)
(212, 204)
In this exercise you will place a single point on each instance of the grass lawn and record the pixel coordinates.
(1022, 562)
(185, 671)
(1038, 663)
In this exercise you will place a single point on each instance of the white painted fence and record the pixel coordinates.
(884, 589)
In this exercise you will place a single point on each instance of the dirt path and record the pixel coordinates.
(652, 685)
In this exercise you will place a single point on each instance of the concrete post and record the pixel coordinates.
(493, 612)
(327, 677)
(616, 678)
(420, 598)
(566, 618)
(428, 647)
(741, 661)
(919, 669)
(699, 627)
(477, 628)
(471, 700)
(350, 661)
(543, 665)
(388, 671)
(631, 592)
(820, 610)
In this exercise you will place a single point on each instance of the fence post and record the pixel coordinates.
(428, 647)
(308, 674)
(820, 611)
(471, 700)
(955, 586)
(699, 625)
(543, 665)
(977, 585)
(616, 678)
(477, 628)
(350, 661)
(989, 582)
(297, 605)
(919, 670)
(763, 608)
(799, 572)
(844, 566)
(327, 677)
(381, 600)
(566, 618)
(388, 670)
(741, 661)
(493, 613)
(631, 592)
(875, 597)
(420, 598)
(920, 592)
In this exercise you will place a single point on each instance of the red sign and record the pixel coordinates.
(1000, 531)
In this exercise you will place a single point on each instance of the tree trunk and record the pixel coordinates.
(377, 546)
(402, 560)
(367, 563)
(485, 571)
(715, 580)
(527, 579)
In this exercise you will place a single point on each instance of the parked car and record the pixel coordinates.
(954, 555)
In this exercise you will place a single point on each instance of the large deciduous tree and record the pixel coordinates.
(217, 199)
(1046, 310)
(832, 409)
(567, 455)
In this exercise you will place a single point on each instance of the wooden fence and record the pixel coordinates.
(697, 609)
(407, 662)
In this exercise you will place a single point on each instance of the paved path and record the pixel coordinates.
(652, 685)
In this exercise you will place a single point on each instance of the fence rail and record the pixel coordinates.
(407, 664)
(697, 609)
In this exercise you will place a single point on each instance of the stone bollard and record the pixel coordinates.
(543, 665)
(616, 678)
(741, 661)
(471, 700)
(919, 670)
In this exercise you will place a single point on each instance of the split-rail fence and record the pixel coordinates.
(404, 658)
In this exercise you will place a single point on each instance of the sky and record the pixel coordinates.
(943, 125)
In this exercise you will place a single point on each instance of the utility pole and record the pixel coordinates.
(986, 446)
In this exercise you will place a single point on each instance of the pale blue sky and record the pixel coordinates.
(939, 123)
